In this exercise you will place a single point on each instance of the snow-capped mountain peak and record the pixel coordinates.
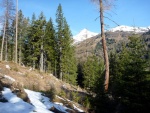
(130, 29)
(83, 35)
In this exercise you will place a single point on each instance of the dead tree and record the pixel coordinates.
(16, 42)
(2, 45)
(106, 60)
(103, 6)
(7, 5)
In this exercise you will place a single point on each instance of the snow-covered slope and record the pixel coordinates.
(130, 29)
(84, 34)
(39, 103)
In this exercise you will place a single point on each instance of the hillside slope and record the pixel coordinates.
(13, 80)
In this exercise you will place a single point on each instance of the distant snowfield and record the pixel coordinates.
(40, 104)
(130, 29)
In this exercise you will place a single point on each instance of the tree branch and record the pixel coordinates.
(112, 21)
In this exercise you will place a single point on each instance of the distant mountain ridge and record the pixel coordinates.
(114, 38)
(130, 29)
(86, 34)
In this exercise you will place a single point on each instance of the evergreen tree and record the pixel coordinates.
(92, 70)
(36, 42)
(68, 59)
(41, 33)
(28, 51)
(49, 47)
(133, 85)
(129, 81)
(65, 51)
(136, 78)
(59, 37)
(22, 34)
(23, 40)
(80, 74)
(11, 42)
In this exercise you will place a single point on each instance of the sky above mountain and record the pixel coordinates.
(81, 14)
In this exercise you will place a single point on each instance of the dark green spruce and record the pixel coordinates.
(66, 61)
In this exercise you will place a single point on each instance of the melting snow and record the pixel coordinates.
(76, 108)
(40, 103)
(10, 78)
(7, 66)
(14, 104)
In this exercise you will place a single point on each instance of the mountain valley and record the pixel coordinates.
(115, 36)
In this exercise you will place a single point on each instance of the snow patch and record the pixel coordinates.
(59, 103)
(76, 108)
(7, 66)
(10, 78)
(14, 104)
(37, 100)
(30, 69)
(42, 104)
(20, 73)
(39, 103)
(60, 97)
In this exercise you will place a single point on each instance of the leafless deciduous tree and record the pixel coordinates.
(104, 5)
(8, 7)
(16, 42)
(2, 45)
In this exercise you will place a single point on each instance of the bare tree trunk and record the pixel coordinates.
(20, 57)
(6, 48)
(8, 16)
(2, 47)
(106, 83)
(33, 60)
(60, 74)
(55, 73)
(44, 64)
(16, 52)
(41, 59)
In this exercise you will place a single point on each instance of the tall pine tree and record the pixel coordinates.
(65, 51)
(132, 84)
(49, 47)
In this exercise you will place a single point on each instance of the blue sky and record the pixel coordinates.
(82, 13)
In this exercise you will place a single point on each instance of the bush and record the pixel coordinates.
(51, 93)
(74, 96)
(86, 102)
(62, 94)
(15, 69)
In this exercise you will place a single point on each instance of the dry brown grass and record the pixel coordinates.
(33, 79)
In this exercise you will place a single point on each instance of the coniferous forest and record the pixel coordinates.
(49, 48)
(42, 45)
